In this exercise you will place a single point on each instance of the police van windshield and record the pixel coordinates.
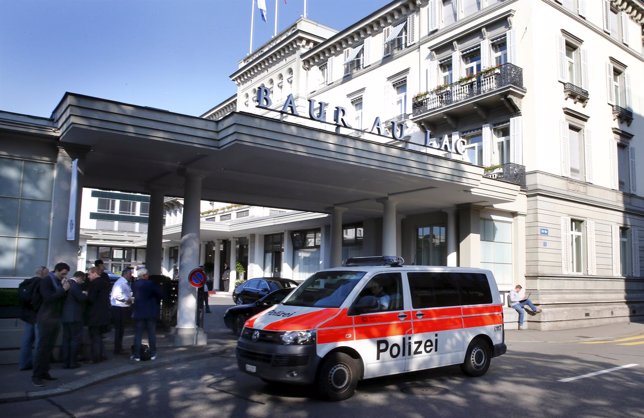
(325, 289)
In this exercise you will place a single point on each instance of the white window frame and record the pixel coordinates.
(473, 67)
(400, 98)
(358, 111)
(577, 266)
(499, 57)
(502, 144)
(477, 146)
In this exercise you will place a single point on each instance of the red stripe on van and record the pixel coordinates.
(431, 325)
(302, 322)
(341, 319)
(482, 320)
(438, 312)
(335, 335)
(382, 330)
(477, 310)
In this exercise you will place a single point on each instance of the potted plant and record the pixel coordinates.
(239, 268)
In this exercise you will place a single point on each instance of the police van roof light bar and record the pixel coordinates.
(386, 260)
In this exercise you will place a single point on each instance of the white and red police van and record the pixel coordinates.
(363, 320)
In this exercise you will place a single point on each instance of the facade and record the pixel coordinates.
(502, 134)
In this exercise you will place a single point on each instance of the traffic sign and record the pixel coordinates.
(197, 277)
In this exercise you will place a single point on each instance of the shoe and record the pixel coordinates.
(522, 327)
(37, 382)
(154, 357)
(539, 310)
(208, 311)
(49, 377)
(135, 358)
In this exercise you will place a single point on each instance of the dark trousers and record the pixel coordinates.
(47, 332)
(72, 338)
(120, 315)
(150, 326)
(96, 342)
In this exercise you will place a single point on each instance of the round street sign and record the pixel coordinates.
(197, 277)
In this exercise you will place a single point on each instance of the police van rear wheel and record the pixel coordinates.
(477, 358)
(338, 376)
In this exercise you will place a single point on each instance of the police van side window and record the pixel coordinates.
(475, 289)
(433, 290)
(386, 292)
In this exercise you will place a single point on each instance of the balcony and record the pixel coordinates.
(576, 93)
(509, 172)
(481, 93)
(623, 115)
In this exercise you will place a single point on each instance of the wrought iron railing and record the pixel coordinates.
(624, 115)
(484, 82)
(510, 172)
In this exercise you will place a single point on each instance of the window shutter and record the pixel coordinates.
(456, 65)
(612, 161)
(488, 146)
(616, 245)
(581, 8)
(366, 52)
(588, 156)
(511, 46)
(432, 76)
(609, 83)
(565, 149)
(592, 262)
(329, 71)
(486, 58)
(411, 29)
(584, 69)
(385, 36)
(516, 139)
(433, 16)
(636, 252)
(632, 171)
(627, 89)
(565, 245)
(625, 27)
(606, 9)
(563, 70)
(461, 10)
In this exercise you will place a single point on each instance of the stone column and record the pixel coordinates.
(452, 248)
(336, 236)
(187, 332)
(232, 265)
(389, 227)
(217, 269)
(154, 250)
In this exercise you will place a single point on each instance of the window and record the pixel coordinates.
(472, 61)
(357, 111)
(324, 74)
(575, 152)
(127, 207)
(499, 51)
(395, 38)
(623, 167)
(503, 144)
(576, 233)
(144, 209)
(473, 148)
(449, 12)
(306, 239)
(619, 87)
(352, 235)
(273, 249)
(400, 102)
(571, 64)
(496, 249)
(225, 217)
(353, 59)
(470, 7)
(625, 244)
(106, 205)
(436, 290)
(242, 214)
(445, 71)
(431, 245)
(387, 289)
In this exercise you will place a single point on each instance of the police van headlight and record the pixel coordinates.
(298, 337)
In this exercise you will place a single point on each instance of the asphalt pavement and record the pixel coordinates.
(16, 385)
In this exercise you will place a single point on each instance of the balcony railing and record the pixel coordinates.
(484, 82)
(624, 115)
(510, 172)
(576, 93)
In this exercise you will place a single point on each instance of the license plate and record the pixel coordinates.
(250, 368)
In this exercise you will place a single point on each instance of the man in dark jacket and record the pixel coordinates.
(73, 320)
(28, 317)
(52, 290)
(147, 296)
(98, 312)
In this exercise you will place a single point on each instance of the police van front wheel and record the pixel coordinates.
(477, 358)
(338, 376)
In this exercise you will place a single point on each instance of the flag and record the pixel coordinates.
(261, 4)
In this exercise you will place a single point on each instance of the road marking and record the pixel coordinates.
(633, 343)
(570, 379)
(619, 340)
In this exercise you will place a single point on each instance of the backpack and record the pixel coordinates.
(29, 293)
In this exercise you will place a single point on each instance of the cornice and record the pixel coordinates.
(634, 8)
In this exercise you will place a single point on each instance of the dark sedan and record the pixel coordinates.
(236, 316)
(255, 289)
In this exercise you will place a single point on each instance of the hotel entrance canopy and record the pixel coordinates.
(251, 159)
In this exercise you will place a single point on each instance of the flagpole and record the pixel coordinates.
(252, 20)
(304, 16)
(275, 30)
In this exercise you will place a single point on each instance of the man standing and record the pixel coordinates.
(52, 290)
(518, 301)
(98, 313)
(73, 320)
(121, 300)
(147, 296)
(28, 317)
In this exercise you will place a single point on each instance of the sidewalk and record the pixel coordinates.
(16, 385)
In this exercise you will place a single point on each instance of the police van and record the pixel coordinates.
(375, 317)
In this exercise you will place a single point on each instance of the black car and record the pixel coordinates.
(236, 316)
(255, 289)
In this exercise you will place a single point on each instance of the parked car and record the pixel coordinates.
(236, 316)
(255, 289)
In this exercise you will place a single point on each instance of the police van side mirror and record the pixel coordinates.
(364, 304)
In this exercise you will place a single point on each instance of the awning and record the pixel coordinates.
(354, 53)
(393, 34)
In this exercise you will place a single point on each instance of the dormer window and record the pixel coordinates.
(353, 59)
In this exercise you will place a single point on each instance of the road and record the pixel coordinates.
(539, 377)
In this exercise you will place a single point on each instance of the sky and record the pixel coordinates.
(175, 55)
